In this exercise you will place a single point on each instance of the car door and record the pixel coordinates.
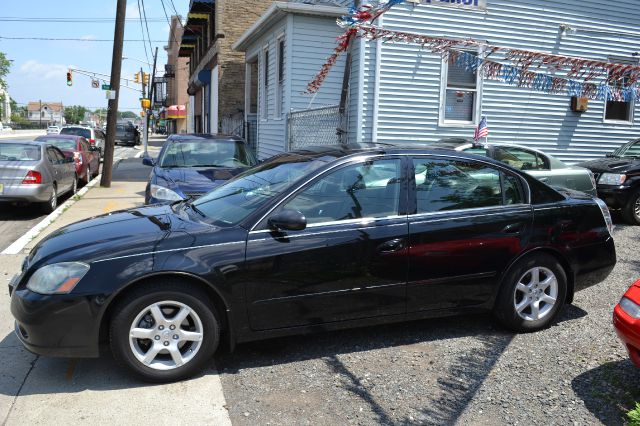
(350, 261)
(469, 220)
(66, 170)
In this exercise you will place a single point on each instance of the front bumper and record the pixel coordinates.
(628, 330)
(33, 193)
(616, 197)
(59, 325)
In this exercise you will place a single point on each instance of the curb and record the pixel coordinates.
(19, 244)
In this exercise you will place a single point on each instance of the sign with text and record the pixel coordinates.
(110, 94)
(465, 4)
(106, 87)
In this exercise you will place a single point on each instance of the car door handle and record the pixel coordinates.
(391, 246)
(513, 228)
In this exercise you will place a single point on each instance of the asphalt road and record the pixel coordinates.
(16, 220)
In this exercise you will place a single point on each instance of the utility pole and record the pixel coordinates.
(144, 119)
(112, 112)
(40, 113)
(151, 94)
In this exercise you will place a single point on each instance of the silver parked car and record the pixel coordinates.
(542, 166)
(36, 173)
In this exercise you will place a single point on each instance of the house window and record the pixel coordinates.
(280, 75)
(461, 91)
(619, 111)
(264, 104)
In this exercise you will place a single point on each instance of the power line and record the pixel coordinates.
(146, 54)
(74, 39)
(168, 22)
(76, 20)
(144, 13)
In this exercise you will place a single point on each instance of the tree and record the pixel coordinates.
(5, 65)
(74, 114)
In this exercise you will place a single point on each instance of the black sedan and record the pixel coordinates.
(618, 180)
(310, 240)
(190, 165)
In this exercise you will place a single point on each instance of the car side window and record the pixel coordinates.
(443, 185)
(370, 189)
(51, 155)
(519, 158)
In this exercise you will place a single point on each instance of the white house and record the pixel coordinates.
(48, 113)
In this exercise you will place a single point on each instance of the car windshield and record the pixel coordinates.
(63, 144)
(232, 202)
(628, 150)
(206, 153)
(19, 152)
(78, 131)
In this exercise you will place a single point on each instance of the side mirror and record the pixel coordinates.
(288, 220)
(148, 161)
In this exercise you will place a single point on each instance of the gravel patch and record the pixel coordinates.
(461, 370)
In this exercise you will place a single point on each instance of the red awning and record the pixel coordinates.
(177, 111)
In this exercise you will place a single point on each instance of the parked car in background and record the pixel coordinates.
(53, 130)
(626, 320)
(542, 166)
(316, 239)
(618, 180)
(190, 165)
(5, 128)
(35, 172)
(85, 156)
(96, 137)
(127, 133)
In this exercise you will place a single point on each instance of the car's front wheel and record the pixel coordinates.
(164, 331)
(631, 211)
(532, 293)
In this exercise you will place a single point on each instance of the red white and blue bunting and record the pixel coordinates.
(571, 75)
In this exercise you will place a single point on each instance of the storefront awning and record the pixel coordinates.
(176, 111)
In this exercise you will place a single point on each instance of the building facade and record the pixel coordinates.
(46, 113)
(176, 78)
(401, 92)
(216, 72)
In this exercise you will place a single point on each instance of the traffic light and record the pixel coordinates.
(145, 103)
(141, 113)
(146, 78)
(136, 78)
(69, 78)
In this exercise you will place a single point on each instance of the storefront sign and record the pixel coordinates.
(466, 4)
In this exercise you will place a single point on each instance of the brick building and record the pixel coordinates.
(216, 71)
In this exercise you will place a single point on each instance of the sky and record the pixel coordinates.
(39, 67)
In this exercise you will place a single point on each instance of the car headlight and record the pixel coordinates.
(606, 214)
(630, 307)
(162, 193)
(612, 179)
(57, 278)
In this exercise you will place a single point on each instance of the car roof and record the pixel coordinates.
(217, 137)
(382, 148)
(39, 138)
(22, 142)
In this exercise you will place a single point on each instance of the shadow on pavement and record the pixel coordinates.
(609, 390)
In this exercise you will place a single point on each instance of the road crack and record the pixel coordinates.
(15, 398)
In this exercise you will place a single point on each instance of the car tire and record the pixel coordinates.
(74, 185)
(52, 204)
(631, 211)
(151, 310)
(532, 293)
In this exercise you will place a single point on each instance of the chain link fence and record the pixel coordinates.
(316, 126)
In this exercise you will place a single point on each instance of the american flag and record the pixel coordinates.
(482, 131)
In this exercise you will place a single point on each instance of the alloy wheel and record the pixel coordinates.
(636, 208)
(74, 188)
(53, 202)
(536, 294)
(166, 335)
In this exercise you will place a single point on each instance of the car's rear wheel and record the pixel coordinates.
(74, 185)
(164, 331)
(631, 211)
(88, 175)
(532, 293)
(52, 204)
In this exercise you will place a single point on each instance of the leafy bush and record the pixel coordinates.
(634, 415)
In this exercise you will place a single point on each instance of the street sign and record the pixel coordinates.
(106, 87)
(95, 83)
(110, 94)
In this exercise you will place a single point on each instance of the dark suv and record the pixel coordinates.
(618, 180)
(127, 133)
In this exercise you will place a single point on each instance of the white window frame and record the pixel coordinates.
(632, 103)
(279, 84)
(477, 108)
(263, 83)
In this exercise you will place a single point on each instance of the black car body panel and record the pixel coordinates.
(267, 282)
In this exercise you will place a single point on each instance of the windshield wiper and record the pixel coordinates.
(195, 209)
(208, 165)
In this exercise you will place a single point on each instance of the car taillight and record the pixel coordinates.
(32, 177)
(92, 141)
(77, 157)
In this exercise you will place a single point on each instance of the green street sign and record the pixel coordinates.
(106, 87)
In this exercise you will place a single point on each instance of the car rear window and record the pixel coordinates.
(65, 145)
(19, 152)
(85, 133)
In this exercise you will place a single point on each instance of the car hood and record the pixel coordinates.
(611, 165)
(119, 233)
(194, 179)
